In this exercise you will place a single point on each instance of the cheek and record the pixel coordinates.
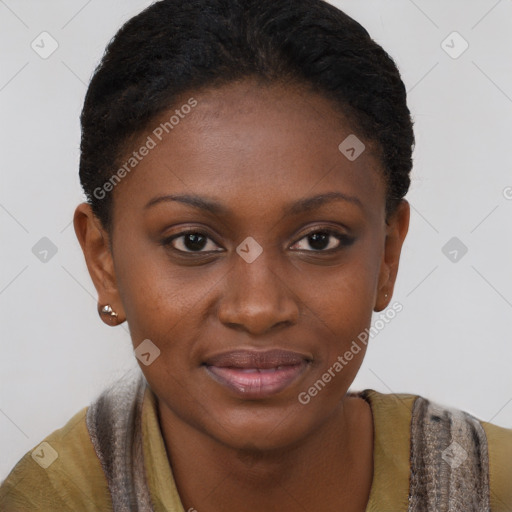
(163, 307)
(156, 294)
(340, 324)
(341, 299)
(167, 304)
(339, 303)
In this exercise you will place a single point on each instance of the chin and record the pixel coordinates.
(260, 428)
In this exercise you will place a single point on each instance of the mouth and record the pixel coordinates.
(256, 375)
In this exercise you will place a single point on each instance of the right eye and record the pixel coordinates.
(191, 241)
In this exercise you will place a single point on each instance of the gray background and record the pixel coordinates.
(451, 342)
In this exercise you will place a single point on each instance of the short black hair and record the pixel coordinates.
(174, 47)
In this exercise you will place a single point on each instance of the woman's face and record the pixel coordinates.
(288, 254)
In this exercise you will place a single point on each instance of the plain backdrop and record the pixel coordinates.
(452, 340)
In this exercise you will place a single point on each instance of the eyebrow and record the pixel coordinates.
(216, 208)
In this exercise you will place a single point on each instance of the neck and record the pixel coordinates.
(333, 466)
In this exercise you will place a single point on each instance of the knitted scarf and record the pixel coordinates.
(449, 465)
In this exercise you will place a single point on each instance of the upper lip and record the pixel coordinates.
(245, 359)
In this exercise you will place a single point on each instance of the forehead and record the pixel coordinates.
(266, 144)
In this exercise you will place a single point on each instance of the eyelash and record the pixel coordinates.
(344, 240)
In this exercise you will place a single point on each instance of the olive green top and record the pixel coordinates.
(64, 473)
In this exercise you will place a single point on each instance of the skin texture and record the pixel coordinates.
(256, 149)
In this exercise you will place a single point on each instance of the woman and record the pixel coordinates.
(245, 165)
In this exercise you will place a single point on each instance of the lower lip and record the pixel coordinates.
(252, 383)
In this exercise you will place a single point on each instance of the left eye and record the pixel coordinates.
(323, 241)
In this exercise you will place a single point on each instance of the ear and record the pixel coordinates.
(397, 227)
(95, 243)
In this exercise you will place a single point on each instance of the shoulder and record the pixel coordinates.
(453, 446)
(499, 441)
(60, 473)
(448, 448)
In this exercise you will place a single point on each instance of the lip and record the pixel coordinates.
(256, 374)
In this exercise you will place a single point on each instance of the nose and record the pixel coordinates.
(256, 298)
